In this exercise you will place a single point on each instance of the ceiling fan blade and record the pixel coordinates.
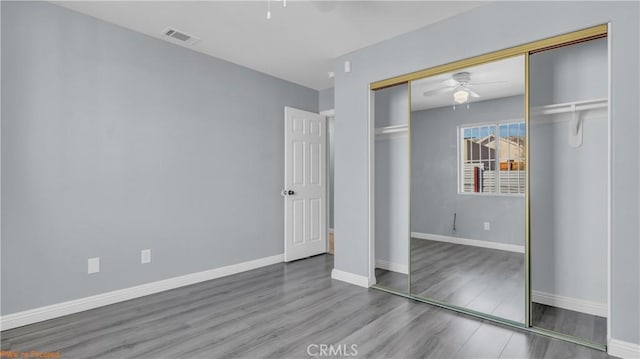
(450, 83)
(488, 83)
(437, 91)
(473, 94)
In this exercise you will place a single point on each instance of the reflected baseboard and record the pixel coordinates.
(469, 242)
(392, 267)
(569, 303)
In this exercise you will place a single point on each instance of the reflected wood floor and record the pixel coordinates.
(276, 312)
(482, 279)
(565, 321)
(392, 280)
(487, 280)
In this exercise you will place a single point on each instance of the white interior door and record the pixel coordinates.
(305, 164)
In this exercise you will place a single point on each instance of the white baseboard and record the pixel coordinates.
(469, 242)
(79, 305)
(575, 304)
(351, 278)
(622, 349)
(331, 112)
(392, 267)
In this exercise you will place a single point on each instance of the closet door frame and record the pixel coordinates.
(591, 33)
(371, 132)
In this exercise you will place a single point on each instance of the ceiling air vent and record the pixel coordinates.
(180, 36)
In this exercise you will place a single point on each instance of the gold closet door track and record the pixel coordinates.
(587, 34)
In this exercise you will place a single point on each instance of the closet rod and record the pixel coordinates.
(391, 129)
(571, 107)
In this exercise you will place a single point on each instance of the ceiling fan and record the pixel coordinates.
(460, 84)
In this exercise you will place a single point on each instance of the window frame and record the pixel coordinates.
(460, 163)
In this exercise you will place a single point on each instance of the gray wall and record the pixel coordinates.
(574, 73)
(497, 26)
(392, 177)
(325, 99)
(434, 176)
(391, 106)
(113, 142)
(569, 185)
(569, 211)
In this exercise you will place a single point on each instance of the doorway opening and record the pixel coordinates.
(330, 168)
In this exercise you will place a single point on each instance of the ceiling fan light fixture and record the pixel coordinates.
(461, 96)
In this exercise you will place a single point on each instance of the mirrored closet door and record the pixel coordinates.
(569, 189)
(492, 190)
(391, 180)
(468, 169)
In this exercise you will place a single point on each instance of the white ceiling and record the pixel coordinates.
(510, 70)
(297, 44)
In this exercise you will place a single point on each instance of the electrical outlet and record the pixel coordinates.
(487, 226)
(93, 265)
(145, 256)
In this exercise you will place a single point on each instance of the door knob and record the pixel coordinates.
(288, 192)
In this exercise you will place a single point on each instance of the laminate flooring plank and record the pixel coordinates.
(384, 328)
(476, 346)
(333, 328)
(267, 326)
(529, 345)
(434, 333)
(524, 345)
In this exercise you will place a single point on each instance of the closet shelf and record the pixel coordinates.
(391, 129)
(570, 107)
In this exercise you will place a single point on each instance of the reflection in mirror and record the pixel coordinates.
(468, 163)
(569, 164)
(391, 116)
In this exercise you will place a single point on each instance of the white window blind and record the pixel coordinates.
(492, 158)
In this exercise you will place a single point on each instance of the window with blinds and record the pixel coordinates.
(492, 158)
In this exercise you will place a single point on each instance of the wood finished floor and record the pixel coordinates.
(276, 312)
(482, 279)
